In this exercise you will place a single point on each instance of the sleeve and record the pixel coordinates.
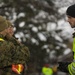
(5, 54)
(71, 68)
(63, 66)
(26, 53)
(21, 54)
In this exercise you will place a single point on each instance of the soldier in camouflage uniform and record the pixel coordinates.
(12, 52)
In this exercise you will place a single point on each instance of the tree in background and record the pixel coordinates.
(33, 21)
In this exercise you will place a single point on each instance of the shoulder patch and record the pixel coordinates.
(1, 39)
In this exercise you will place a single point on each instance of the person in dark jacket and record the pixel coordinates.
(13, 54)
(69, 67)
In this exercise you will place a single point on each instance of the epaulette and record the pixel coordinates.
(1, 39)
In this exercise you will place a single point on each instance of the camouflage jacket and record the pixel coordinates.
(12, 52)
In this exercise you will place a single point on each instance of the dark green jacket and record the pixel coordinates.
(12, 52)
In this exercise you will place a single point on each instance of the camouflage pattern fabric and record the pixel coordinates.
(12, 52)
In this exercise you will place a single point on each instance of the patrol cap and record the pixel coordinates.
(3, 24)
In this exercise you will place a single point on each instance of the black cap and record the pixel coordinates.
(71, 11)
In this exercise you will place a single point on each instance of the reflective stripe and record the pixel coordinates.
(74, 56)
(74, 47)
(73, 60)
(71, 71)
(19, 68)
(73, 67)
(1, 39)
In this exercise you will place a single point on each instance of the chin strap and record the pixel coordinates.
(17, 68)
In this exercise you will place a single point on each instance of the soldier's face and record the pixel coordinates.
(71, 21)
(10, 31)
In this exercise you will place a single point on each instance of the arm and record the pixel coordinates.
(21, 53)
(5, 54)
(63, 66)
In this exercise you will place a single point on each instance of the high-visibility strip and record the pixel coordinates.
(71, 69)
(1, 39)
(19, 68)
(74, 47)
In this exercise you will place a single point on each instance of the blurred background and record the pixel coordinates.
(41, 25)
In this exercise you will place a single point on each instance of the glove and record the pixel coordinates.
(17, 68)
